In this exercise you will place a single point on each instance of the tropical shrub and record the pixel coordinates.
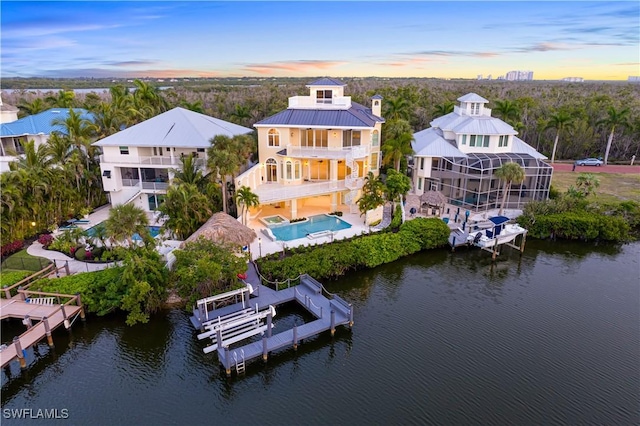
(80, 254)
(10, 278)
(580, 225)
(367, 251)
(11, 248)
(204, 268)
(45, 240)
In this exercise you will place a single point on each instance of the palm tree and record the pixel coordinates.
(226, 157)
(108, 119)
(246, 199)
(241, 114)
(587, 183)
(186, 208)
(397, 108)
(559, 121)
(34, 107)
(614, 118)
(508, 111)
(443, 109)
(372, 194)
(193, 106)
(124, 221)
(510, 173)
(64, 99)
(396, 149)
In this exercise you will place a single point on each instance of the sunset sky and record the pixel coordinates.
(593, 40)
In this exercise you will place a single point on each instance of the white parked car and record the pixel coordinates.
(589, 162)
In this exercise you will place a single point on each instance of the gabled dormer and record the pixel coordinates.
(473, 105)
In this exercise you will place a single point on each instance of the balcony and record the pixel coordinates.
(271, 193)
(341, 102)
(148, 160)
(145, 185)
(296, 151)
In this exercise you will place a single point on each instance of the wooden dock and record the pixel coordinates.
(40, 307)
(329, 312)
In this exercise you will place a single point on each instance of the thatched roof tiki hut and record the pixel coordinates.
(224, 229)
(432, 200)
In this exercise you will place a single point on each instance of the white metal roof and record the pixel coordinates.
(521, 147)
(472, 97)
(179, 127)
(430, 143)
(473, 124)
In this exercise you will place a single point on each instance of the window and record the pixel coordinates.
(475, 109)
(486, 141)
(157, 151)
(200, 149)
(472, 140)
(351, 138)
(314, 138)
(289, 170)
(374, 161)
(124, 150)
(504, 140)
(324, 96)
(375, 140)
(297, 169)
(420, 183)
(273, 137)
(168, 149)
(422, 163)
(464, 139)
(478, 140)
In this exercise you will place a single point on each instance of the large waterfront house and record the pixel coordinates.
(459, 153)
(317, 151)
(137, 163)
(36, 128)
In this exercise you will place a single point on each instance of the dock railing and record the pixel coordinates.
(8, 291)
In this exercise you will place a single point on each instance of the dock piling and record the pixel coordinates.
(295, 337)
(47, 330)
(227, 361)
(67, 324)
(264, 348)
(269, 323)
(79, 302)
(20, 352)
(350, 315)
(333, 323)
(27, 321)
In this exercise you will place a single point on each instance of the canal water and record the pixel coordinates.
(439, 338)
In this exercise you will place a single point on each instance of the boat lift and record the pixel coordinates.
(202, 305)
(238, 326)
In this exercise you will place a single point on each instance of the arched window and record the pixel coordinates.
(272, 170)
(274, 137)
(375, 139)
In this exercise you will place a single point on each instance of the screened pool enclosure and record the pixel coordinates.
(470, 182)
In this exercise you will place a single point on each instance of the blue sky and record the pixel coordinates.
(455, 39)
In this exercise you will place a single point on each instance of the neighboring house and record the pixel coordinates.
(460, 152)
(137, 163)
(37, 127)
(317, 151)
(8, 113)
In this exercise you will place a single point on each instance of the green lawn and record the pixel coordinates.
(613, 186)
(23, 261)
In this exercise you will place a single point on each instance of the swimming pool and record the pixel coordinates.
(274, 220)
(153, 230)
(322, 222)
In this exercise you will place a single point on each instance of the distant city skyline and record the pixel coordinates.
(594, 40)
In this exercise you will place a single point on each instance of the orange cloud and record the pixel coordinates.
(291, 66)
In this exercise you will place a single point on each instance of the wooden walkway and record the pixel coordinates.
(49, 316)
(329, 313)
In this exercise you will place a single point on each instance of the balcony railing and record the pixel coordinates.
(130, 182)
(340, 102)
(155, 186)
(296, 151)
(270, 193)
(148, 160)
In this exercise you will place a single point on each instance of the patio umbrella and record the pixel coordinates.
(222, 228)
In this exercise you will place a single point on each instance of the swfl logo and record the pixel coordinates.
(30, 413)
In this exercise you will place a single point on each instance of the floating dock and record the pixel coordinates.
(329, 312)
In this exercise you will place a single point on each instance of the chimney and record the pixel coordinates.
(376, 105)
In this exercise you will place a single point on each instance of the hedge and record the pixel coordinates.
(10, 278)
(581, 225)
(335, 259)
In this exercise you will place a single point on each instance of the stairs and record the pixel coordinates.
(240, 364)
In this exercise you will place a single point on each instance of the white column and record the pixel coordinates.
(334, 201)
(294, 208)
